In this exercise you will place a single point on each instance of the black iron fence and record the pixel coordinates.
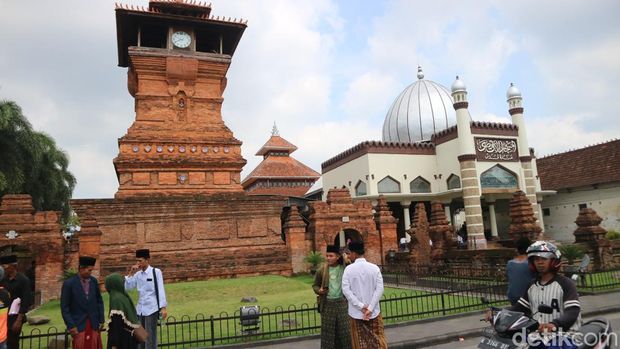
(264, 323)
(599, 281)
(446, 277)
(431, 293)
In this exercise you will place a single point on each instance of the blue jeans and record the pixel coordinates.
(149, 322)
(3, 345)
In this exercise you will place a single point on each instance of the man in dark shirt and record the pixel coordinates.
(18, 286)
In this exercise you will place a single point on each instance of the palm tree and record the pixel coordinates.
(31, 163)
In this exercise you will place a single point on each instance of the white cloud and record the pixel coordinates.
(289, 68)
(368, 96)
(94, 170)
(559, 133)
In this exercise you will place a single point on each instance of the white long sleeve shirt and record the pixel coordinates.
(362, 284)
(143, 281)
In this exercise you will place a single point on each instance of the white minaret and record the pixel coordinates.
(459, 100)
(469, 173)
(515, 108)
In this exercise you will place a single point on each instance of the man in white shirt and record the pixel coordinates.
(362, 285)
(151, 295)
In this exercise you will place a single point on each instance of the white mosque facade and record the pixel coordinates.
(432, 150)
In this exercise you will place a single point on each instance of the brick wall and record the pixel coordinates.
(192, 238)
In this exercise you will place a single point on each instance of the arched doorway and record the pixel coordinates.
(348, 235)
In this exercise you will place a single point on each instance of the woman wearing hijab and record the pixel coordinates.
(123, 318)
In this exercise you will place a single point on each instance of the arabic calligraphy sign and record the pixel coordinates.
(496, 149)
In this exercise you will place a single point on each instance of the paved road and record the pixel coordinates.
(423, 334)
(473, 342)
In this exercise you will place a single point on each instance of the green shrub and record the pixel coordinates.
(612, 235)
(314, 258)
(571, 252)
(67, 273)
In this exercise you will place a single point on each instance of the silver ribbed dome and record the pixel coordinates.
(423, 108)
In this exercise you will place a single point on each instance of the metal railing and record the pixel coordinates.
(204, 331)
(599, 281)
(430, 294)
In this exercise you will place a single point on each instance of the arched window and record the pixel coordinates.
(419, 185)
(498, 177)
(388, 185)
(360, 189)
(454, 182)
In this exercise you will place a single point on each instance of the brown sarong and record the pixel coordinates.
(87, 339)
(368, 334)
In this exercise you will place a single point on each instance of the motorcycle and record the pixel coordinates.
(508, 326)
(515, 330)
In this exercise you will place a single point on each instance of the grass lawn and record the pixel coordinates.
(213, 296)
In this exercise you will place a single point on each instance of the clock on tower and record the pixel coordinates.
(177, 54)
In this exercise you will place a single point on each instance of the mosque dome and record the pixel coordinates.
(419, 111)
(513, 92)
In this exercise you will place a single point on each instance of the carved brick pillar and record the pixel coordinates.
(440, 231)
(421, 250)
(295, 233)
(375, 252)
(90, 242)
(592, 234)
(387, 227)
(522, 219)
(588, 226)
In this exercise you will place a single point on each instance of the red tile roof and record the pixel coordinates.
(284, 191)
(592, 165)
(276, 143)
(280, 167)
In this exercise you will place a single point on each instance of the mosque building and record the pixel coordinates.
(432, 150)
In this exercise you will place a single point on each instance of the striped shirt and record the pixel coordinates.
(560, 294)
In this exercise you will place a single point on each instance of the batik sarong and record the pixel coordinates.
(335, 327)
(368, 334)
(87, 339)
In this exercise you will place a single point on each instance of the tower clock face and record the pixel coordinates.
(181, 39)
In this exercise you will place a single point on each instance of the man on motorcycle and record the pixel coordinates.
(551, 289)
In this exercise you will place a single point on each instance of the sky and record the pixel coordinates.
(325, 71)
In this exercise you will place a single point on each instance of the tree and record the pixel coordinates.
(31, 163)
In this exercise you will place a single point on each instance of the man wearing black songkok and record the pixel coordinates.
(362, 284)
(335, 326)
(82, 306)
(18, 286)
(152, 303)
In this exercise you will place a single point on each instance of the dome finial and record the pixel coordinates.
(420, 73)
(513, 91)
(274, 130)
(458, 85)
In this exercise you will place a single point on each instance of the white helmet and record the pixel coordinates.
(544, 249)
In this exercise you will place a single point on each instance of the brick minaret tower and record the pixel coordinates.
(178, 55)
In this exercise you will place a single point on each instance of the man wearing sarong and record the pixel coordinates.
(362, 285)
(82, 306)
(335, 326)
